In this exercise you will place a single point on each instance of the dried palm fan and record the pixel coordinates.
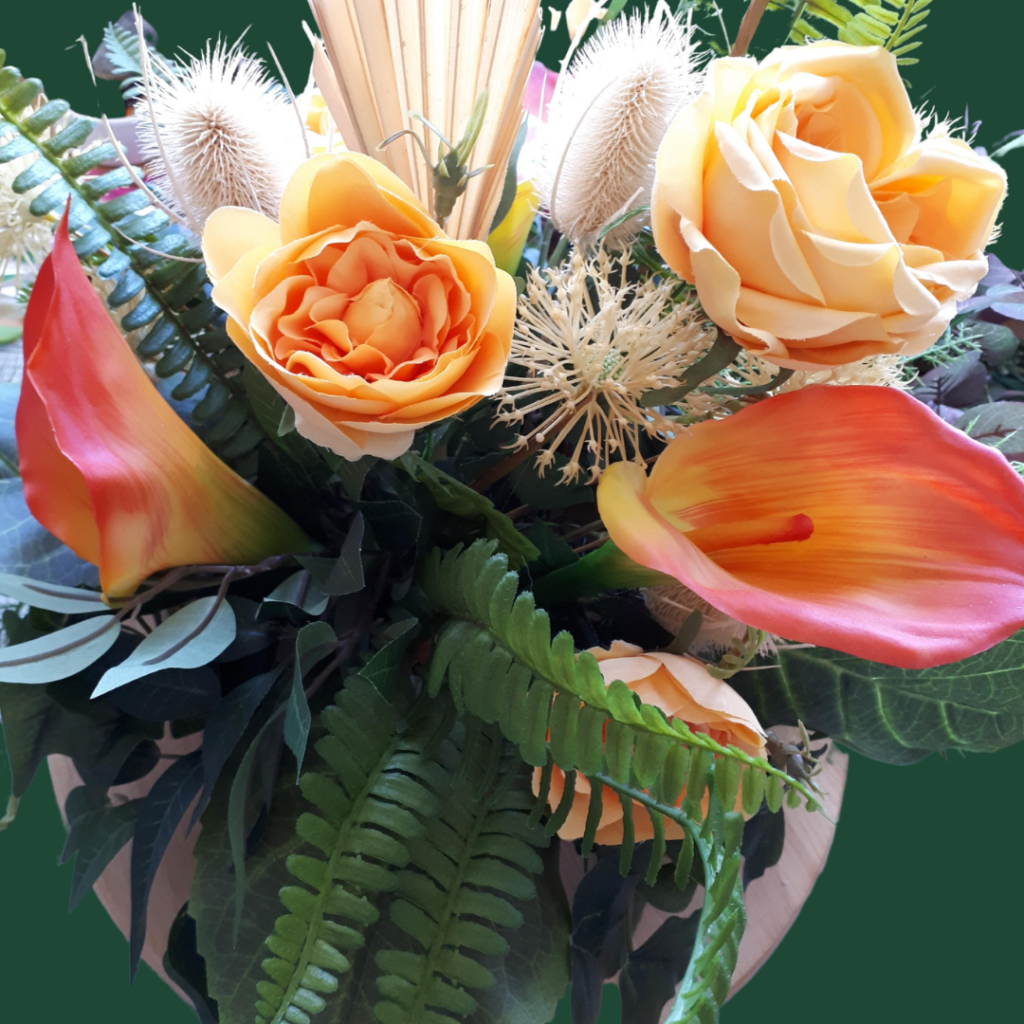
(381, 59)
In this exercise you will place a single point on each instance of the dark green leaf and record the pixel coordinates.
(395, 524)
(351, 474)
(251, 635)
(313, 643)
(532, 976)
(98, 831)
(299, 590)
(716, 359)
(343, 575)
(892, 714)
(225, 726)
(29, 714)
(159, 816)
(187, 969)
(554, 553)
(237, 809)
(170, 694)
(764, 837)
(652, 972)
(454, 496)
(508, 189)
(380, 669)
(233, 960)
(549, 490)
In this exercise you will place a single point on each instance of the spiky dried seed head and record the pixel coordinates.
(221, 132)
(588, 344)
(608, 116)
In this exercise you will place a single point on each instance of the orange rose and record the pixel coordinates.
(362, 313)
(683, 688)
(817, 225)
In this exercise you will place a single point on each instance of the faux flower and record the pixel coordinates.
(847, 517)
(817, 224)
(682, 688)
(592, 342)
(363, 314)
(107, 465)
(508, 239)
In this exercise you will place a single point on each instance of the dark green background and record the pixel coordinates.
(918, 916)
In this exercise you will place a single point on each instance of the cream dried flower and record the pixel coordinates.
(607, 118)
(591, 343)
(218, 131)
(877, 371)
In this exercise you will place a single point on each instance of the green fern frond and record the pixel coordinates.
(705, 986)
(500, 663)
(127, 241)
(370, 807)
(467, 871)
(893, 24)
(499, 660)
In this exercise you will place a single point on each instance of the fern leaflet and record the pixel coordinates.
(499, 660)
(127, 241)
(368, 810)
(893, 24)
(473, 860)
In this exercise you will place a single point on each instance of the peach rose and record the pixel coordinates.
(362, 313)
(817, 224)
(683, 688)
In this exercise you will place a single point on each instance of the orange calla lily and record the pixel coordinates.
(852, 518)
(107, 465)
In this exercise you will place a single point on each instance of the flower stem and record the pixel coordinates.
(748, 26)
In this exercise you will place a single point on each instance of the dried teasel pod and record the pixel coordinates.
(218, 131)
(609, 113)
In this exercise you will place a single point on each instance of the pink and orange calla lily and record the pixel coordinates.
(107, 465)
(846, 517)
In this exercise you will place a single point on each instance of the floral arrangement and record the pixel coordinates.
(436, 491)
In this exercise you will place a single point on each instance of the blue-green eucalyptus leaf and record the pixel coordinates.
(191, 637)
(51, 596)
(301, 591)
(60, 654)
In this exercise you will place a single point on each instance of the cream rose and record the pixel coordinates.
(681, 687)
(817, 224)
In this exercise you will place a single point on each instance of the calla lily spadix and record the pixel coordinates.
(108, 467)
(847, 517)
